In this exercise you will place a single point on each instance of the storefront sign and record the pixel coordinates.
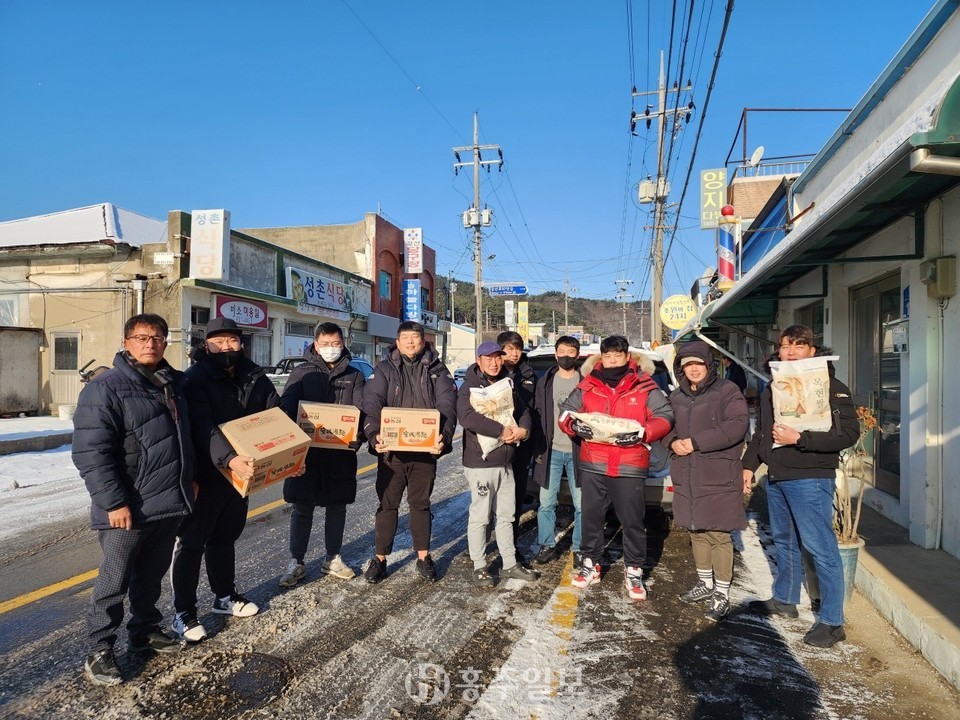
(676, 311)
(413, 251)
(308, 288)
(713, 191)
(523, 319)
(509, 317)
(210, 245)
(250, 313)
(411, 300)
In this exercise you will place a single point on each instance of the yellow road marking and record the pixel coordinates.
(39, 594)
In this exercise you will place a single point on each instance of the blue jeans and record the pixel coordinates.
(547, 514)
(801, 513)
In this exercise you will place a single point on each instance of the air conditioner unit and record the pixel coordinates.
(940, 276)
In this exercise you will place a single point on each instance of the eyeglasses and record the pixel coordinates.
(145, 339)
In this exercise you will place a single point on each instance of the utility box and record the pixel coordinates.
(19, 370)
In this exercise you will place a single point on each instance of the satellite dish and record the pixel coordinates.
(708, 272)
(756, 157)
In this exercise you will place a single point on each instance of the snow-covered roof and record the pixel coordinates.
(89, 224)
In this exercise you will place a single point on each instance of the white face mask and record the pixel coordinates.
(330, 354)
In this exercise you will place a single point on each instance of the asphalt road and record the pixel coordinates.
(411, 649)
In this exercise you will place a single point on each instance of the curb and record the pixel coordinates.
(35, 443)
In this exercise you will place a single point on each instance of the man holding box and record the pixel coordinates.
(491, 476)
(222, 385)
(614, 472)
(801, 477)
(330, 480)
(412, 376)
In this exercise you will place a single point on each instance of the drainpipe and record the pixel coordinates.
(140, 286)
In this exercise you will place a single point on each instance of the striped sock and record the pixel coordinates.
(706, 577)
(723, 588)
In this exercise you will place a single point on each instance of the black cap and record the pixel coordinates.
(223, 326)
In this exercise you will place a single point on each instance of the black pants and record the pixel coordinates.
(521, 474)
(209, 534)
(597, 493)
(301, 524)
(134, 563)
(414, 472)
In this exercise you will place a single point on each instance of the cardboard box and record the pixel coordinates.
(278, 448)
(329, 426)
(409, 430)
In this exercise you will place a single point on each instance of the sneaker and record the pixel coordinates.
(577, 559)
(376, 570)
(698, 593)
(774, 607)
(719, 608)
(294, 574)
(336, 567)
(824, 636)
(101, 668)
(426, 569)
(588, 575)
(188, 627)
(236, 605)
(482, 578)
(633, 579)
(546, 554)
(519, 572)
(158, 641)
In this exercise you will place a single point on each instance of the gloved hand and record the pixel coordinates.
(355, 445)
(628, 439)
(582, 430)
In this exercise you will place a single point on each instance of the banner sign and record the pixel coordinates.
(308, 288)
(413, 251)
(429, 320)
(509, 317)
(523, 319)
(210, 244)
(250, 313)
(411, 300)
(713, 193)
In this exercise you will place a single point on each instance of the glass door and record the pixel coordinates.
(876, 378)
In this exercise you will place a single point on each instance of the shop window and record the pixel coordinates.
(424, 298)
(199, 315)
(812, 317)
(260, 349)
(66, 352)
(298, 328)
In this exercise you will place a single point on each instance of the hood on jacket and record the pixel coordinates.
(701, 351)
(643, 363)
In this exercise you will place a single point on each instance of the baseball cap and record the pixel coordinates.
(223, 326)
(489, 348)
(691, 359)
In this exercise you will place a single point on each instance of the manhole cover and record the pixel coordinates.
(215, 684)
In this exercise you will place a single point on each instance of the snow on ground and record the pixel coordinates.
(38, 488)
(23, 427)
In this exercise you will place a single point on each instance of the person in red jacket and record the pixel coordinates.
(618, 385)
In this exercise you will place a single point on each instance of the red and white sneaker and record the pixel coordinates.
(587, 576)
(633, 579)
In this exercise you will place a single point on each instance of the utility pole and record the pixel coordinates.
(474, 217)
(452, 287)
(662, 187)
(566, 299)
(623, 297)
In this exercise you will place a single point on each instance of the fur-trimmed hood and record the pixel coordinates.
(641, 361)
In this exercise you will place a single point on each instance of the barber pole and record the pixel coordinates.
(727, 227)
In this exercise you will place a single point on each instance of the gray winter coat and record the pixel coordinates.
(131, 448)
(708, 483)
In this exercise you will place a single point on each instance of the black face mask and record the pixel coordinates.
(566, 362)
(226, 358)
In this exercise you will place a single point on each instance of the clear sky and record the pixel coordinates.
(316, 112)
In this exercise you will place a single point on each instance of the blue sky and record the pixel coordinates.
(301, 113)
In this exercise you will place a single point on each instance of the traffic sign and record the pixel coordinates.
(498, 289)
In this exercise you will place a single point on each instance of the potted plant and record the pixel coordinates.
(846, 516)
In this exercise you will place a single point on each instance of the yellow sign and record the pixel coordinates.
(677, 310)
(523, 317)
(713, 196)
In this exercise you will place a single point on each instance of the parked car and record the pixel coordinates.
(281, 371)
(659, 487)
(459, 375)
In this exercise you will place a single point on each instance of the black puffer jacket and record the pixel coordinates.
(130, 448)
(214, 397)
(475, 423)
(816, 454)
(385, 389)
(544, 429)
(331, 475)
(708, 483)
